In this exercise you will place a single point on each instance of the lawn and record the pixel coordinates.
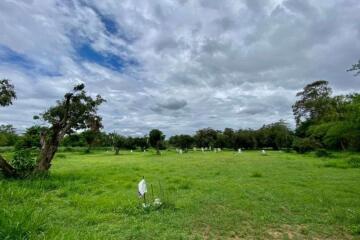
(207, 196)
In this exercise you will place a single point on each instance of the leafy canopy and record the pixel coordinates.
(7, 93)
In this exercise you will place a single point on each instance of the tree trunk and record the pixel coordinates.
(342, 145)
(48, 150)
(117, 151)
(158, 148)
(7, 169)
(45, 158)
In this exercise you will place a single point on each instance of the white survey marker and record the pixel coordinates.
(142, 189)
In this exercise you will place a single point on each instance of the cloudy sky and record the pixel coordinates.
(176, 65)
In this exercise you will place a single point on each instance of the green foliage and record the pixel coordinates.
(23, 161)
(90, 137)
(7, 93)
(332, 121)
(205, 137)
(182, 141)
(303, 145)
(276, 135)
(314, 102)
(156, 139)
(31, 138)
(354, 162)
(322, 153)
(118, 142)
(246, 139)
(8, 136)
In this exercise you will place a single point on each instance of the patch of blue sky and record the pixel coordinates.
(110, 24)
(11, 57)
(109, 60)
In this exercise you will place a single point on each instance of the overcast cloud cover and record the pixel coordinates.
(176, 65)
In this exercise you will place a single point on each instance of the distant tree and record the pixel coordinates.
(118, 142)
(355, 67)
(73, 140)
(275, 135)
(90, 137)
(76, 111)
(7, 93)
(230, 137)
(246, 139)
(156, 138)
(31, 138)
(314, 102)
(130, 143)
(142, 142)
(220, 141)
(182, 141)
(205, 137)
(8, 136)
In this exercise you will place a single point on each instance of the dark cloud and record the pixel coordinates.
(172, 104)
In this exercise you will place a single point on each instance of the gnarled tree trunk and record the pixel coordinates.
(48, 149)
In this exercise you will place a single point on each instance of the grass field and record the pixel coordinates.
(207, 196)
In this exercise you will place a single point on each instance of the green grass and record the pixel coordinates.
(208, 196)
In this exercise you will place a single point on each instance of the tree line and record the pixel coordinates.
(323, 121)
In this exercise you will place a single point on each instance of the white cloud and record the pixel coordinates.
(199, 63)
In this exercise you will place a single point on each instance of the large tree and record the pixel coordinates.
(205, 137)
(118, 142)
(7, 93)
(182, 141)
(75, 111)
(314, 102)
(156, 138)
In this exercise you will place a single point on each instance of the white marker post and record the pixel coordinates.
(142, 190)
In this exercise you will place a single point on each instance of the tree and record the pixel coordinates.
(182, 141)
(118, 142)
(142, 142)
(8, 135)
(75, 111)
(130, 143)
(314, 102)
(205, 137)
(7, 93)
(230, 137)
(156, 138)
(90, 137)
(275, 135)
(31, 138)
(246, 139)
(355, 67)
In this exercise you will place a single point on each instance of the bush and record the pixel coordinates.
(23, 161)
(354, 162)
(322, 153)
(303, 145)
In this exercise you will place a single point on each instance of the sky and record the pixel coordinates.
(176, 65)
